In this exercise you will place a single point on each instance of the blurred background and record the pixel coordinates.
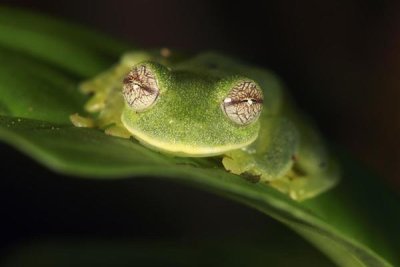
(339, 59)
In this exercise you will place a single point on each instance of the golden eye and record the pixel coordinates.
(244, 103)
(140, 88)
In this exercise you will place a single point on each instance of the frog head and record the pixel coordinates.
(190, 111)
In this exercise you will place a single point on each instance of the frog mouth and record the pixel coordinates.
(184, 150)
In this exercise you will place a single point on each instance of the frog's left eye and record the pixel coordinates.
(140, 88)
(244, 103)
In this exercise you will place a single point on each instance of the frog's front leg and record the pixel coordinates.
(314, 171)
(108, 119)
(270, 156)
(106, 100)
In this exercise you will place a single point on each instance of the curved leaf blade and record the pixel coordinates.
(89, 152)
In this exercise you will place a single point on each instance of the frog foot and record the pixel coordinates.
(80, 121)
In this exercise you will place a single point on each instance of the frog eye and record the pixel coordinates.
(244, 103)
(140, 88)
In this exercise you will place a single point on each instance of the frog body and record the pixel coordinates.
(211, 105)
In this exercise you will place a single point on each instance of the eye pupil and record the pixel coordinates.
(140, 88)
(243, 104)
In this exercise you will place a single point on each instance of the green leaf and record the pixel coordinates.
(356, 224)
(76, 49)
(42, 99)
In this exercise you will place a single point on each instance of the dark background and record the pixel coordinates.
(340, 60)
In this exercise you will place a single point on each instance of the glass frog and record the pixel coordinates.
(211, 105)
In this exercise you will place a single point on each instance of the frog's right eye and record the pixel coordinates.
(140, 88)
(244, 103)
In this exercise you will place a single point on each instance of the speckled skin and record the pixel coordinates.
(187, 100)
(280, 148)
